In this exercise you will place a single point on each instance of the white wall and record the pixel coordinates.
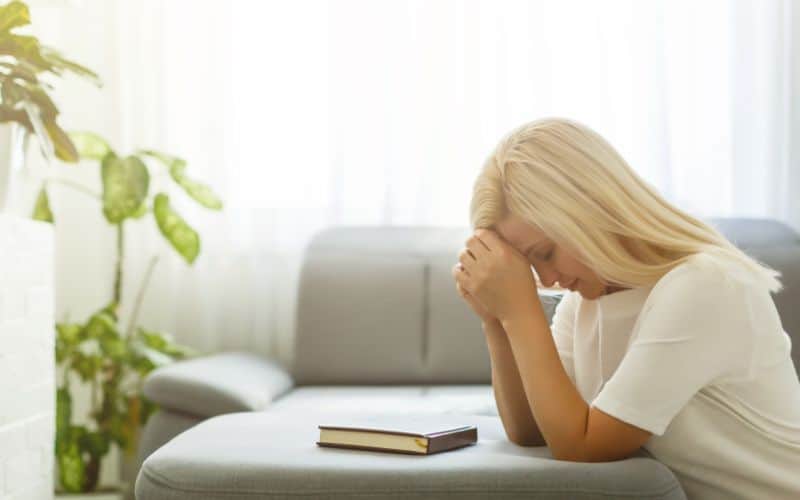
(27, 383)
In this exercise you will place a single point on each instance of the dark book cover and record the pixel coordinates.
(436, 433)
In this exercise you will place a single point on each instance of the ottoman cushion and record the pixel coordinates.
(273, 454)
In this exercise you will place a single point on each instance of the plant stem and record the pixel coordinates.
(95, 407)
(140, 295)
(76, 186)
(120, 256)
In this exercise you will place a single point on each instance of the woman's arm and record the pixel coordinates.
(512, 404)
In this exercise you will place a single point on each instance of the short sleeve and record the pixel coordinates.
(695, 328)
(563, 330)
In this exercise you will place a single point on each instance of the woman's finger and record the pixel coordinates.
(466, 257)
(458, 270)
(477, 247)
(463, 263)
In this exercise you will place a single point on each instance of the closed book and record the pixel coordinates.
(399, 434)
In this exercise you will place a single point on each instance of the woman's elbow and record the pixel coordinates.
(527, 441)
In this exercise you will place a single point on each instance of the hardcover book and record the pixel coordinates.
(397, 434)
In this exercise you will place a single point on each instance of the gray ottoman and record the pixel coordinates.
(274, 454)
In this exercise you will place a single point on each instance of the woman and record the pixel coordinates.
(667, 340)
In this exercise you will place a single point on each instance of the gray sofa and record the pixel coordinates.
(380, 329)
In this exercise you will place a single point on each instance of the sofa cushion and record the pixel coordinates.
(222, 383)
(266, 455)
(753, 232)
(358, 319)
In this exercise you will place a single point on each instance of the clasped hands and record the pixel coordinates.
(494, 278)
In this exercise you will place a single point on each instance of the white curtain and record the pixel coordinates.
(309, 113)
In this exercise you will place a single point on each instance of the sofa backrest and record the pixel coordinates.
(776, 245)
(378, 305)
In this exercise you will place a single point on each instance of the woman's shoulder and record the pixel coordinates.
(706, 269)
(705, 278)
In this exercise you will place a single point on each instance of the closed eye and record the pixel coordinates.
(545, 258)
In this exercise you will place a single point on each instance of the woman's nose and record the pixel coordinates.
(547, 275)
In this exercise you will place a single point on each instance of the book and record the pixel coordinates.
(399, 434)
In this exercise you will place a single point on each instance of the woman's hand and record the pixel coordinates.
(496, 277)
(478, 308)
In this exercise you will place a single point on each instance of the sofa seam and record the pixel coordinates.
(426, 280)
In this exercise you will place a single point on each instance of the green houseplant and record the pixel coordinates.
(111, 357)
(25, 67)
(100, 352)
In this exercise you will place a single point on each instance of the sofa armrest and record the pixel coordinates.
(222, 383)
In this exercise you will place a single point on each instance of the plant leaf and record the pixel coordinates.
(168, 160)
(141, 211)
(59, 61)
(39, 129)
(200, 192)
(89, 145)
(113, 347)
(71, 467)
(63, 417)
(65, 149)
(125, 184)
(99, 325)
(182, 237)
(35, 93)
(118, 430)
(10, 114)
(145, 359)
(41, 112)
(139, 359)
(111, 310)
(11, 93)
(13, 15)
(163, 343)
(25, 48)
(177, 166)
(19, 71)
(41, 210)
(68, 337)
(95, 443)
(86, 365)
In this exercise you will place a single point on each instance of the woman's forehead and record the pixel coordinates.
(519, 233)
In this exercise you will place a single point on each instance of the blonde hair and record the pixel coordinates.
(564, 178)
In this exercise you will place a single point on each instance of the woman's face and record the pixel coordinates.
(553, 263)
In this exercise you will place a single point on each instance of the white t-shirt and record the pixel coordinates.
(702, 362)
